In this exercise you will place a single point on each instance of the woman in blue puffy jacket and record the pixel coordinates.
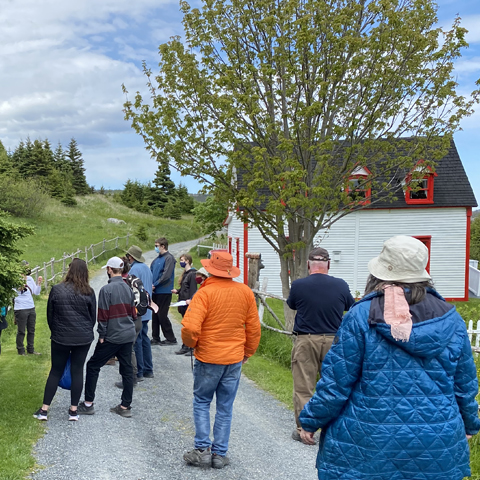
(397, 395)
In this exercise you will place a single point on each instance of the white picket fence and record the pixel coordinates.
(57, 268)
(475, 342)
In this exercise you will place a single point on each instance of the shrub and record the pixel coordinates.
(22, 197)
(141, 233)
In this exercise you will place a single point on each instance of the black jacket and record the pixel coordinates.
(70, 315)
(188, 287)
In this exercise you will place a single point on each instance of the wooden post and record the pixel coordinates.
(86, 255)
(93, 254)
(261, 308)
(253, 268)
(116, 243)
(45, 277)
(126, 247)
(103, 246)
(63, 264)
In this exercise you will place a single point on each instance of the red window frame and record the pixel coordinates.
(367, 188)
(427, 241)
(429, 178)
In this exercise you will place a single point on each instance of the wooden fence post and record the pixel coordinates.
(103, 246)
(93, 254)
(63, 264)
(261, 308)
(126, 246)
(254, 266)
(86, 255)
(116, 243)
(45, 276)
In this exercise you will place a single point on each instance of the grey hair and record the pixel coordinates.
(414, 292)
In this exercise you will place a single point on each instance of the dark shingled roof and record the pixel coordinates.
(451, 186)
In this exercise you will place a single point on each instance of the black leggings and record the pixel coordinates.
(60, 354)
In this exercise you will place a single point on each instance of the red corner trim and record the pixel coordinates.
(467, 255)
(245, 250)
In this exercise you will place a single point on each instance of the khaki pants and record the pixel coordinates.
(307, 357)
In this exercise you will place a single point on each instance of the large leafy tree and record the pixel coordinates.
(274, 103)
(10, 266)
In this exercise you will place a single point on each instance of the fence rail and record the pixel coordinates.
(215, 246)
(474, 278)
(57, 268)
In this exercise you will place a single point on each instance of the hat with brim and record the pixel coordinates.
(202, 271)
(136, 253)
(220, 264)
(403, 259)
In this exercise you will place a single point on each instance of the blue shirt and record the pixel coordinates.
(142, 271)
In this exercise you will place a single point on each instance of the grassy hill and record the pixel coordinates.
(65, 229)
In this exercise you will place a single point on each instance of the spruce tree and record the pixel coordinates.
(6, 163)
(184, 199)
(163, 189)
(60, 160)
(75, 160)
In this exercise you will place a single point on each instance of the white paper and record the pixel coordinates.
(182, 303)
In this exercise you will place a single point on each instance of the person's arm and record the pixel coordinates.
(103, 314)
(341, 369)
(167, 271)
(34, 288)
(92, 309)
(50, 307)
(291, 297)
(252, 329)
(193, 320)
(349, 300)
(466, 388)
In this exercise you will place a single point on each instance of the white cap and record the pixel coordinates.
(114, 262)
(403, 259)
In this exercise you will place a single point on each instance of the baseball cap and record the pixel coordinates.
(114, 262)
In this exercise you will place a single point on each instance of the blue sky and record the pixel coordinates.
(62, 65)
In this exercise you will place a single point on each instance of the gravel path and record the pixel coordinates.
(150, 445)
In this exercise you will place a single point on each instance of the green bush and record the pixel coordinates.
(22, 197)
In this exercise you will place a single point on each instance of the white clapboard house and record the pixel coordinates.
(438, 214)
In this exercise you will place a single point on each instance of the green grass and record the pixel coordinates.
(64, 229)
(22, 380)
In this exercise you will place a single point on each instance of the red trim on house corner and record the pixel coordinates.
(467, 259)
(459, 299)
(245, 250)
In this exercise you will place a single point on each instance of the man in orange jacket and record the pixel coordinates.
(222, 324)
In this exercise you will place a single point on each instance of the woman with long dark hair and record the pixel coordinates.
(396, 399)
(71, 316)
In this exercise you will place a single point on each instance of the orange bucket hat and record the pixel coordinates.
(220, 264)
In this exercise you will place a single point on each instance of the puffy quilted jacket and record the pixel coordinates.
(71, 316)
(221, 322)
(392, 410)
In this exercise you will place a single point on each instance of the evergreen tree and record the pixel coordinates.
(75, 160)
(25, 157)
(185, 200)
(6, 163)
(173, 209)
(18, 156)
(163, 189)
(59, 159)
(41, 162)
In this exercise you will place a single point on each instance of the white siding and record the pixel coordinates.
(358, 237)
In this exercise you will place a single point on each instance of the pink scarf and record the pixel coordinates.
(397, 313)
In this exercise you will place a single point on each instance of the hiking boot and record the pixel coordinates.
(123, 412)
(189, 353)
(140, 379)
(41, 415)
(197, 458)
(183, 350)
(72, 415)
(155, 342)
(218, 461)
(163, 343)
(84, 410)
(148, 375)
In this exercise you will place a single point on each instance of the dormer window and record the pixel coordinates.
(420, 189)
(359, 189)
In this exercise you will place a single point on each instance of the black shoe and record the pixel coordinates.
(72, 415)
(168, 342)
(123, 412)
(140, 379)
(40, 414)
(189, 352)
(183, 350)
(148, 375)
(82, 409)
(155, 342)
(120, 384)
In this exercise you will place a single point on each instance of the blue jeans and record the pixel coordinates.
(222, 380)
(143, 351)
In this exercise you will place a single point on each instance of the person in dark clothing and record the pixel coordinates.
(116, 334)
(71, 314)
(188, 287)
(320, 301)
(163, 272)
(397, 395)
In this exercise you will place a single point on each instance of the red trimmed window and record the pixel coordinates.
(358, 188)
(427, 241)
(420, 190)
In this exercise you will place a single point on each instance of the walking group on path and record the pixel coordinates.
(397, 388)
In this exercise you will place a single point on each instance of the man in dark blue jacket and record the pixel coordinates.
(320, 301)
(163, 272)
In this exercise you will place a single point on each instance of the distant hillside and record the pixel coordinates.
(476, 213)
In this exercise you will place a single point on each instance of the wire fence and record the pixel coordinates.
(56, 269)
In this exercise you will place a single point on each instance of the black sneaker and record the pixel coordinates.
(84, 410)
(123, 412)
(219, 462)
(148, 375)
(155, 342)
(41, 415)
(120, 384)
(72, 415)
(198, 458)
(189, 352)
(167, 342)
(183, 350)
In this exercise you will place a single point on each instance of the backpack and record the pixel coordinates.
(142, 297)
